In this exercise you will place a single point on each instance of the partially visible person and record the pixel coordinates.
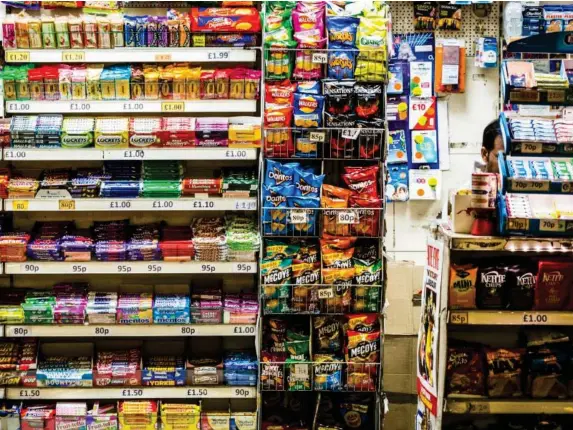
(491, 144)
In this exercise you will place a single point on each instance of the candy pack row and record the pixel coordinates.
(335, 350)
(517, 285)
(126, 415)
(234, 238)
(354, 33)
(226, 25)
(333, 104)
(540, 168)
(541, 207)
(54, 131)
(540, 368)
(129, 82)
(330, 276)
(290, 189)
(147, 179)
(144, 364)
(542, 130)
(133, 304)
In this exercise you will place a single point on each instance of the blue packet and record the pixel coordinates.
(397, 187)
(308, 110)
(341, 64)
(396, 79)
(397, 149)
(303, 215)
(141, 31)
(341, 31)
(129, 30)
(308, 87)
(278, 174)
(307, 184)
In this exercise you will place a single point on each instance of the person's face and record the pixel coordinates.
(490, 157)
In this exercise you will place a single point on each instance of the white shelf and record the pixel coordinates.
(131, 106)
(131, 55)
(153, 330)
(509, 406)
(127, 267)
(142, 204)
(211, 392)
(65, 154)
(478, 317)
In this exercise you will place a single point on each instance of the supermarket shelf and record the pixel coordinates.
(467, 242)
(131, 55)
(153, 330)
(68, 154)
(127, 267)
(132, 106)
(518, 406)
(142, 204)
(512, 184)
(225, 392)
(478, 317)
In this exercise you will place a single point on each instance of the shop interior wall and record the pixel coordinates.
(462, 118)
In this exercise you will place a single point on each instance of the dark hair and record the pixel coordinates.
(490, 132)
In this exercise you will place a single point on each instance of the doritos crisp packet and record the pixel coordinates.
(334, 198)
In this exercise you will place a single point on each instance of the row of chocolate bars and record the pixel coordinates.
(127, 414)
(130, 179)
(133, 304)
(125, 363)
(233, 238)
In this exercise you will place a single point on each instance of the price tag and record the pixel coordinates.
(317, 136)
(20, 205)
(320, 57)
(236, 154)
(350, 133)
(163, 57)
(80, 107)
(552, 225)
(243, 267)
(347, 217)
(102, 331)
(162, 204)
(121, 204)
(29, 393)
(203, 204)
(567, 187)
(242, 392)
(130, 107)
(529, 185)
(479, 408)
(17, 107)
(18, 331)
(326, 293)
(524, 96)
(72, 56)
(556, 96)
(207, 268)
(172, 107)
(459, 318)
(247, 205)
(132, 392)
(534, 318)
(15, 155)
(244, 330)
(298, 217)
(17, 57)
(218, 55)
(67, 205)
(532, 148)
(521, 224)
(29, 268)
(197, 392)
(134, 153)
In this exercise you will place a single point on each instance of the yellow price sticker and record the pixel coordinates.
(20, 205)
(67, 205)
(162, 57)
(173, 107)
(73, 56)
(17, 56)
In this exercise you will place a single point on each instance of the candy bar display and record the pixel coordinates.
(339, 362)
(198, 26)
(55, 131)
(117, 367)
(16, 359)
(129, 82)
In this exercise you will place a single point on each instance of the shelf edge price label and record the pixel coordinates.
(567, 187)
(319, 57)
(71, 56)
(532, 148)
(29, 393)
(317, 136)
(13, 155)
(29, 268)
(67, 205)
(197, 392)
(132, 392)
(243, 267)
(18, 56)
(326, 293)
(244, 330)
(80, 107)
(218, 55)
(459, 318)
(478, 408)
(556, 96)
(163, 57)
(534, 318)
(551, 225)
(18, 331)
(236, 154)
(17, 106)
(298, 217)
(168, 107)
(20, 205)
(350, 133)
(242, 392)
(102, 331)
(518, 224)
(208, 268)
(524, 96)
(348, 217)
(530, 185)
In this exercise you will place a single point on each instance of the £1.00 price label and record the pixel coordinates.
(348, 217)
(236, 154)
(173, 107)
(244, 330)
(535, 319)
